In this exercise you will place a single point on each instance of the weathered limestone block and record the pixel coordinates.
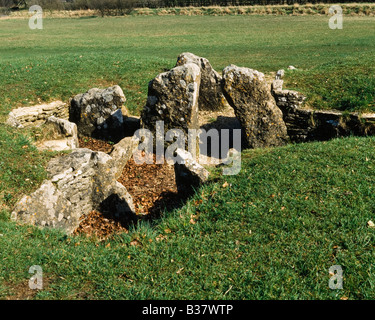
(211, 95)
(62, 135)
(78, 183)
(37, 115)
(279, 74)
(173, 98)
(99, 113)
(46, 207)
(261, 120)
(122, 152)
(299, 122)
(286, 98)
(277, 85)
(189, 173)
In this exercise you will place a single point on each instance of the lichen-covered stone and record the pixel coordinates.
(46, 207)
(261, 120)
(77, 184)
(188, 172)
(37, 115)
(173, 98)
(211, 95)
(99, 112)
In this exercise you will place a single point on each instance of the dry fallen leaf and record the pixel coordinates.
(371, 224)
(225, 184)
(179, 271)
(160, 237)
(135, 243)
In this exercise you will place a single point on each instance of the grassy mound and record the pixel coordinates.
(346, 84)
(270, 232)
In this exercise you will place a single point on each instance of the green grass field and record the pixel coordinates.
(289, 215)
(71, 55)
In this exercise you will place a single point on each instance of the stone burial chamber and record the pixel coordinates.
(59, 133)
(63, 135)
(176, 96)
(78, 183)
(85, 180)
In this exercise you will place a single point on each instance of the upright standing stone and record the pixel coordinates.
(173, 98)
(211, 95)
(261, 120)
(98, 112)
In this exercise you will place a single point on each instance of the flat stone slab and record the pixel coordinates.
(261, 120)
(211, 95)
(189, 173)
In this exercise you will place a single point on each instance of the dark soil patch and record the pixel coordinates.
(22, 291)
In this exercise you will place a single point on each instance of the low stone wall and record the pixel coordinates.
(305, 124)
(37, 115)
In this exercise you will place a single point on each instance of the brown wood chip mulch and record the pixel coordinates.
(152, 187)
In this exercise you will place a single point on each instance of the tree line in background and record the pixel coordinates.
(120, 7)
(200, 3)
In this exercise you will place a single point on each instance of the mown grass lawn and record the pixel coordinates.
(277, 227)
(71, 55)
(271, 232)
